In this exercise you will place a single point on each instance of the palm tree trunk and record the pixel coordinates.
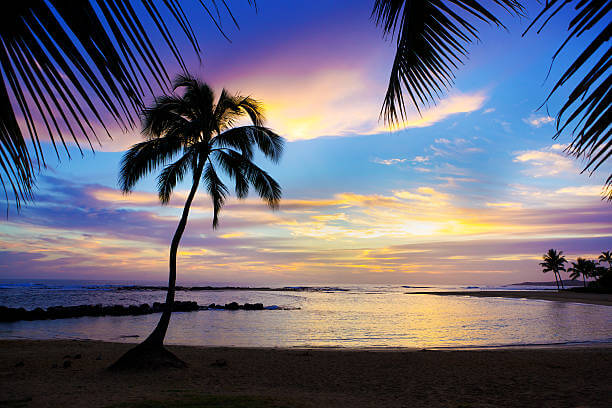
(584, 280)
(556, 280)
(561, 280)
(156, 338)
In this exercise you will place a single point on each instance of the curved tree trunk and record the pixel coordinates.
(561, 280)
(151, 352)
(584, 280)
(556, 280)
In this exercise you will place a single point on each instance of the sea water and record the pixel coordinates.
(352, 316)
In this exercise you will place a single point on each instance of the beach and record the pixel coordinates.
(32, 373)
(604, 299)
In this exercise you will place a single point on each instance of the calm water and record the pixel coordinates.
(359, 316)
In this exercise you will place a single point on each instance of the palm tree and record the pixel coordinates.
(584, 267)
(606, 256)
(200, 132)
(554, 261)
(62, 87)
(432, 39)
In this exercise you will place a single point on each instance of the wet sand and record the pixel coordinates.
(572, 297)
(33, 372)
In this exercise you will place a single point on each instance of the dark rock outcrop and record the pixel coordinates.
(9, 314)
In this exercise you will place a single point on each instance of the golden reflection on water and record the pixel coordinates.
(350, 319)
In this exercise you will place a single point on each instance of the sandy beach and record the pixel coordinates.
(571, 297)
(32, 374)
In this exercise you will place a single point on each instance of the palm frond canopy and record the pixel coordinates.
(584, 267)
(431, 36)
(197, 128)
(553, 261)
(67, 64)
(587, 112)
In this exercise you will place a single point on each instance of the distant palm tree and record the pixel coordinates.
(584, 267)
(432, 37)
(200, 131)
(606, 256)
(554, 261)
(68, 65)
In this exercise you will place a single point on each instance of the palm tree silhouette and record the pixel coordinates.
(62, 87)
(200, 131)
(554, 261)
(432, 39)
(584, 267)
(606, 256)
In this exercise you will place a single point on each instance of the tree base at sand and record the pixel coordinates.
(147, 357)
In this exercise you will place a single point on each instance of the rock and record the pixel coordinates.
(254, 306)
(8, 314)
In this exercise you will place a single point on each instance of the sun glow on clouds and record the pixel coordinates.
(337, 101)
(414, 232)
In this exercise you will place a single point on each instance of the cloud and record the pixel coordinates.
(545, 162)
(538, 120)
(488, 110)
(87, 231)
(420, 159)
(452, 105)
(389, 162)
(584, 191)
(505, 205)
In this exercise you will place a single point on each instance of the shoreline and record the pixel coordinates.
(33, 371)
(602, 299)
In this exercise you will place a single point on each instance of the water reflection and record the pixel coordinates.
(348, 319)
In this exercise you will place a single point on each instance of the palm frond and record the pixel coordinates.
(217, 190)
(232, 107)
(144, 157)
(267, 188)
(172, 175)
(244, 137)
(587, 112)
(168, 112)
(75, 61)
(232, 163)
(432, 36)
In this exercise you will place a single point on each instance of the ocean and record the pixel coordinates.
(346, 316)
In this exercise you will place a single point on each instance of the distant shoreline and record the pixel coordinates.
(567, 297)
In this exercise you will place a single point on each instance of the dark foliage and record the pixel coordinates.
(71, 65)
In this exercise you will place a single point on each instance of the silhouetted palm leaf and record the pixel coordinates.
(432, 36)
(587, 113)
(71, 64)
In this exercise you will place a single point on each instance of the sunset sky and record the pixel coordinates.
(473, 191)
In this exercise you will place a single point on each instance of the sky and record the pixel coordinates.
(473, 191)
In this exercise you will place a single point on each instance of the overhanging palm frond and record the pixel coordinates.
(587, 112)
(69, 64)
(432, 36)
